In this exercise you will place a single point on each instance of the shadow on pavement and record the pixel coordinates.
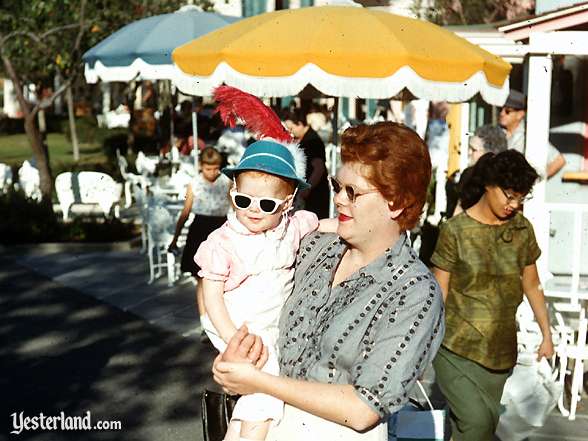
(66, 352)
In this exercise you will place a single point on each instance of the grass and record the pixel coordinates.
(15, 149)
(27, 221)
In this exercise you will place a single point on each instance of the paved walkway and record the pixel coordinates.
(118, 276)
(63, 351)
(136, 342)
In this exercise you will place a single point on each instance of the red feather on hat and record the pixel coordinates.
(234, 105)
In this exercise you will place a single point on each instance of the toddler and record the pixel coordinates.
(247, 265)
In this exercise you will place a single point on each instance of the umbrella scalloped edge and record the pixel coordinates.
(138, 70)
(334, 85)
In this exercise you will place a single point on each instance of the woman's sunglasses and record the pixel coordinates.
(266, 205)
(350, 190)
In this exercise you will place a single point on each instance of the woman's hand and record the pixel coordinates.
(173, 246)
(546, 348)
(235, 378)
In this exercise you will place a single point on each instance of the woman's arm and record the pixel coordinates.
(555, 165)
(334, 402)
(183, 216)
(216, 309)
(443, 280)
(534, 292)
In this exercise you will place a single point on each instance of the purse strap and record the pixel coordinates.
(424, 393)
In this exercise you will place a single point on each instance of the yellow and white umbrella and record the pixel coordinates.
(341, 51)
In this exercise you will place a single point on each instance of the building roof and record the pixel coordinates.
(562, 18)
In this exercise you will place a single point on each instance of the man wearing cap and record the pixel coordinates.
(512, 119)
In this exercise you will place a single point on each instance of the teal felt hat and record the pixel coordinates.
(275, 158)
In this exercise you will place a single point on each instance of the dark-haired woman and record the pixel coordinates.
(484, 262)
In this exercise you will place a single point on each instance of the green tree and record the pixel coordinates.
(40, 39)
(463, 12)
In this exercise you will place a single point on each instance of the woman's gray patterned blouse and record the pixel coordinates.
(378, 330)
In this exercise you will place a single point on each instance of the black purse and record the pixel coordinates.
(217, 408)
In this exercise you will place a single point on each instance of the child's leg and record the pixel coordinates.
(254, 430)
(232, 431)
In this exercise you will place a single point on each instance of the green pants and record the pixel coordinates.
(473, 394)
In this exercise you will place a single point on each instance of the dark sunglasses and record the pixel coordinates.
(243, 201)
(350, 190)
(508, 110)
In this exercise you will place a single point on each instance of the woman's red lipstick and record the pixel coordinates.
(343, 218)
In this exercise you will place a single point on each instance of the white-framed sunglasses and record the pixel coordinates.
(243, 201)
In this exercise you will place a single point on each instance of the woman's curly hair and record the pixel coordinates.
(508, 170)
(397, 163)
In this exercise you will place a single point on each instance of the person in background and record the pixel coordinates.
(206, 197)
(316, 199)
(512, 119)
(437, 136)
(484, 262)
(486, 138)
(149, 96)
(366, 315)
(315, 118)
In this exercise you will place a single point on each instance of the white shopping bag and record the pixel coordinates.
(530, 394)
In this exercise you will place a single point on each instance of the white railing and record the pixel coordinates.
(578, 210)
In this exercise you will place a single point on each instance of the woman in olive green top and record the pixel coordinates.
(484, 262)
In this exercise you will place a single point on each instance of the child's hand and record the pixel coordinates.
(244, 347)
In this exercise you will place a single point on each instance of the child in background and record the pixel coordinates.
(248, 265)
(206, 197)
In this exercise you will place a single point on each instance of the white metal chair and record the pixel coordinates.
(5, 178)
(144, 165)
(129, 179)
(578, 351)
(160, 231)
(87, 187)
(141, 201)
(30, 181)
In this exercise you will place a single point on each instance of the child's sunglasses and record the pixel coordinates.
(243, 201)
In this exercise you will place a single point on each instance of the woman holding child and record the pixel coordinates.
(365, 316)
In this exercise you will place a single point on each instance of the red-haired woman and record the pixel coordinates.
(366, 316)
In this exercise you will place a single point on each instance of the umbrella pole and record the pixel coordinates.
(172, 115)
(336, 121)
(195, 150)
(333, 159)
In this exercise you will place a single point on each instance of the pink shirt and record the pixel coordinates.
(257, 268)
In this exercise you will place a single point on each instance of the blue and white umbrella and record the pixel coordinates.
(142, 49)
